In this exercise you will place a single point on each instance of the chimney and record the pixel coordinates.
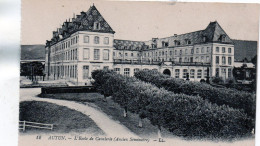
(175, 35)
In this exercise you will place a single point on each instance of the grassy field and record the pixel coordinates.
(65, 120)
(114, 111)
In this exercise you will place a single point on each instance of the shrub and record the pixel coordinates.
(217, 80)
(221, 96)
(181, 114)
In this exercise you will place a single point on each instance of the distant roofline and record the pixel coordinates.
(244, 40)
(32, 44)
(129, 40)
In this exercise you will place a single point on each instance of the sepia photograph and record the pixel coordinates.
(137, 73)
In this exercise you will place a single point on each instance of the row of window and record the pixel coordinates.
(68, 55)
(96, 40)
(126, 54)
(223, 72)
(127, 70)
(65, 45)
(223, 50)
(86, 54)
(177, 52)
(66, 71)
(192, 73)
(224, 60)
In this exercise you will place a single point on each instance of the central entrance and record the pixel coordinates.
(167, 72)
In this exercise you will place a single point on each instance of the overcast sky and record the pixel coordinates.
(140, 20)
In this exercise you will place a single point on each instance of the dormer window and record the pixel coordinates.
(204, 38)
(187, 41)
(96, 26)
(177, 43)
(222, 38)
(165, 44)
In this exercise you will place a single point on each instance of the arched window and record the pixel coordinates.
(136, 70)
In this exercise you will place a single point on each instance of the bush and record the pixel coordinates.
(221, 96)
(181, 114)
(217, 80)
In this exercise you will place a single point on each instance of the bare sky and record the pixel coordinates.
(140, 20)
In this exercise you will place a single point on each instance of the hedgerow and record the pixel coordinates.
(183, 115)
(221, 96)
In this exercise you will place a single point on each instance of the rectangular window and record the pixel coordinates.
(223, 60)
(132, 54)
(199, 73)
(180, 60)
(184, 73)
(86, 39)
(106, 40)
(192, 51)
(117, 70)
(208, 49)
(127, 71)
(105, 54)
(191, 59)
(229, 72)
(105, 67)
(202, 50)
(223, 49)
(85, 53)
(197, 50)
(229, 60)
(76, 54)
(96, 40)
(96, 54)
(202, 58)
(205, 73)
(229, 50)
(217, 59)
(217, 49)
(85, 71)
(192, 73)
(127, 54)
(207, 59)
(177, 73)
(217, 72)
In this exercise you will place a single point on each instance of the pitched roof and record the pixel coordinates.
(244, 49)
(212, 33)
(83, 22)
(129, 45)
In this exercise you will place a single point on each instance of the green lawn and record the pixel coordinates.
(64, 119)
(113, 110)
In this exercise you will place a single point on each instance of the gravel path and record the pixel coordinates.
(109, 126)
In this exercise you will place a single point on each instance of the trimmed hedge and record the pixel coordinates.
(221, 96)
(183, 115)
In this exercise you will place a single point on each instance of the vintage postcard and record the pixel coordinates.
(138, 73)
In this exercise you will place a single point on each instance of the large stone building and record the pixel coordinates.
(87, 43)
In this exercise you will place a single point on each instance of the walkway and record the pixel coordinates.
(109, 126)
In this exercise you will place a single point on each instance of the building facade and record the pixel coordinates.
(87, 43)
